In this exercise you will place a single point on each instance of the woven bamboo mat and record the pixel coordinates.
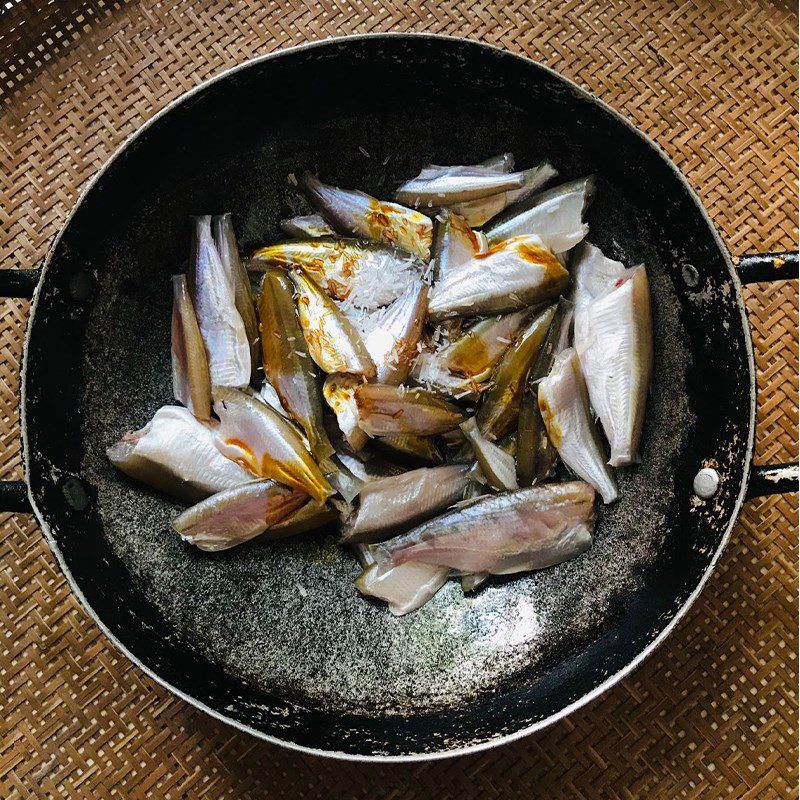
(714, 712)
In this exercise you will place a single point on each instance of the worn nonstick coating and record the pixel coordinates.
(274, 638)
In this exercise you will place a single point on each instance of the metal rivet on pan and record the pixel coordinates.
(81, 286)
(691, 276)
(75, 494)
(706, 483)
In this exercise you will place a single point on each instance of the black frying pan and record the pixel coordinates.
(274, 638)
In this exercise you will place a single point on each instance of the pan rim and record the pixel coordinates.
(610, 680)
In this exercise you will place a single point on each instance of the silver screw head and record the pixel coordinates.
(706, 483)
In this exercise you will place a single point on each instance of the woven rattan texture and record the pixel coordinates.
(713, 712)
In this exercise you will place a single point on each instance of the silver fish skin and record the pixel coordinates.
(501, 162)
(225, 242)
(514, 274)
(564, 405)
(389, 504)
(502, 534)
(191, 381)
(308, 226)
(454, 244)
(397, 410)
(614, 341)
(405, 588)
(370, 469)
(176, 454)
(496, 465)
(556, 216)
(392, 342)
(309, 517)
(237, 515)
(442, 186)
(593, 274)
(220, 323)
(351, 212)
(479, 212)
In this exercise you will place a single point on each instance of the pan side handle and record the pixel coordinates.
(16, 283)
(758, 268)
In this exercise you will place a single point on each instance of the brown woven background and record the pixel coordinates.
(714, 712)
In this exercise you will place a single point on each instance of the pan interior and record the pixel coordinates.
(286, 616)
(284, 620)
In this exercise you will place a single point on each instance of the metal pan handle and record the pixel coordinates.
(758, 268)
(16, 283)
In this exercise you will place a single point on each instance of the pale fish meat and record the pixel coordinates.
(390, 410)
(176, 454)
(354, 213)
(261, 440)
(369, 275)
(514, 274)
(237, 515)
(225, 241)
(479, 212)
(405, 588)
(555, 216)
(333, 341)
(218, 318)
(564, 405)
(191, 381)
(614, 341)
(392, 342)
(339, 393)
(428, 372)
(593, 274)
(501, 534)
(390, 504)
(308, 226)
(442, 186)
(454, 243)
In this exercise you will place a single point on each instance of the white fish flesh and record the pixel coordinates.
(309, 226)
(497, 466)
(593, 274)
(237, 515)
(389, 504)
(220, 323)
(501, 534)
(392, 342)
(176, 454)
(555, 216)
(405, 588)
(614, 341)
(514, 274)
(225, 241)
(339, 393)
(564, 405)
